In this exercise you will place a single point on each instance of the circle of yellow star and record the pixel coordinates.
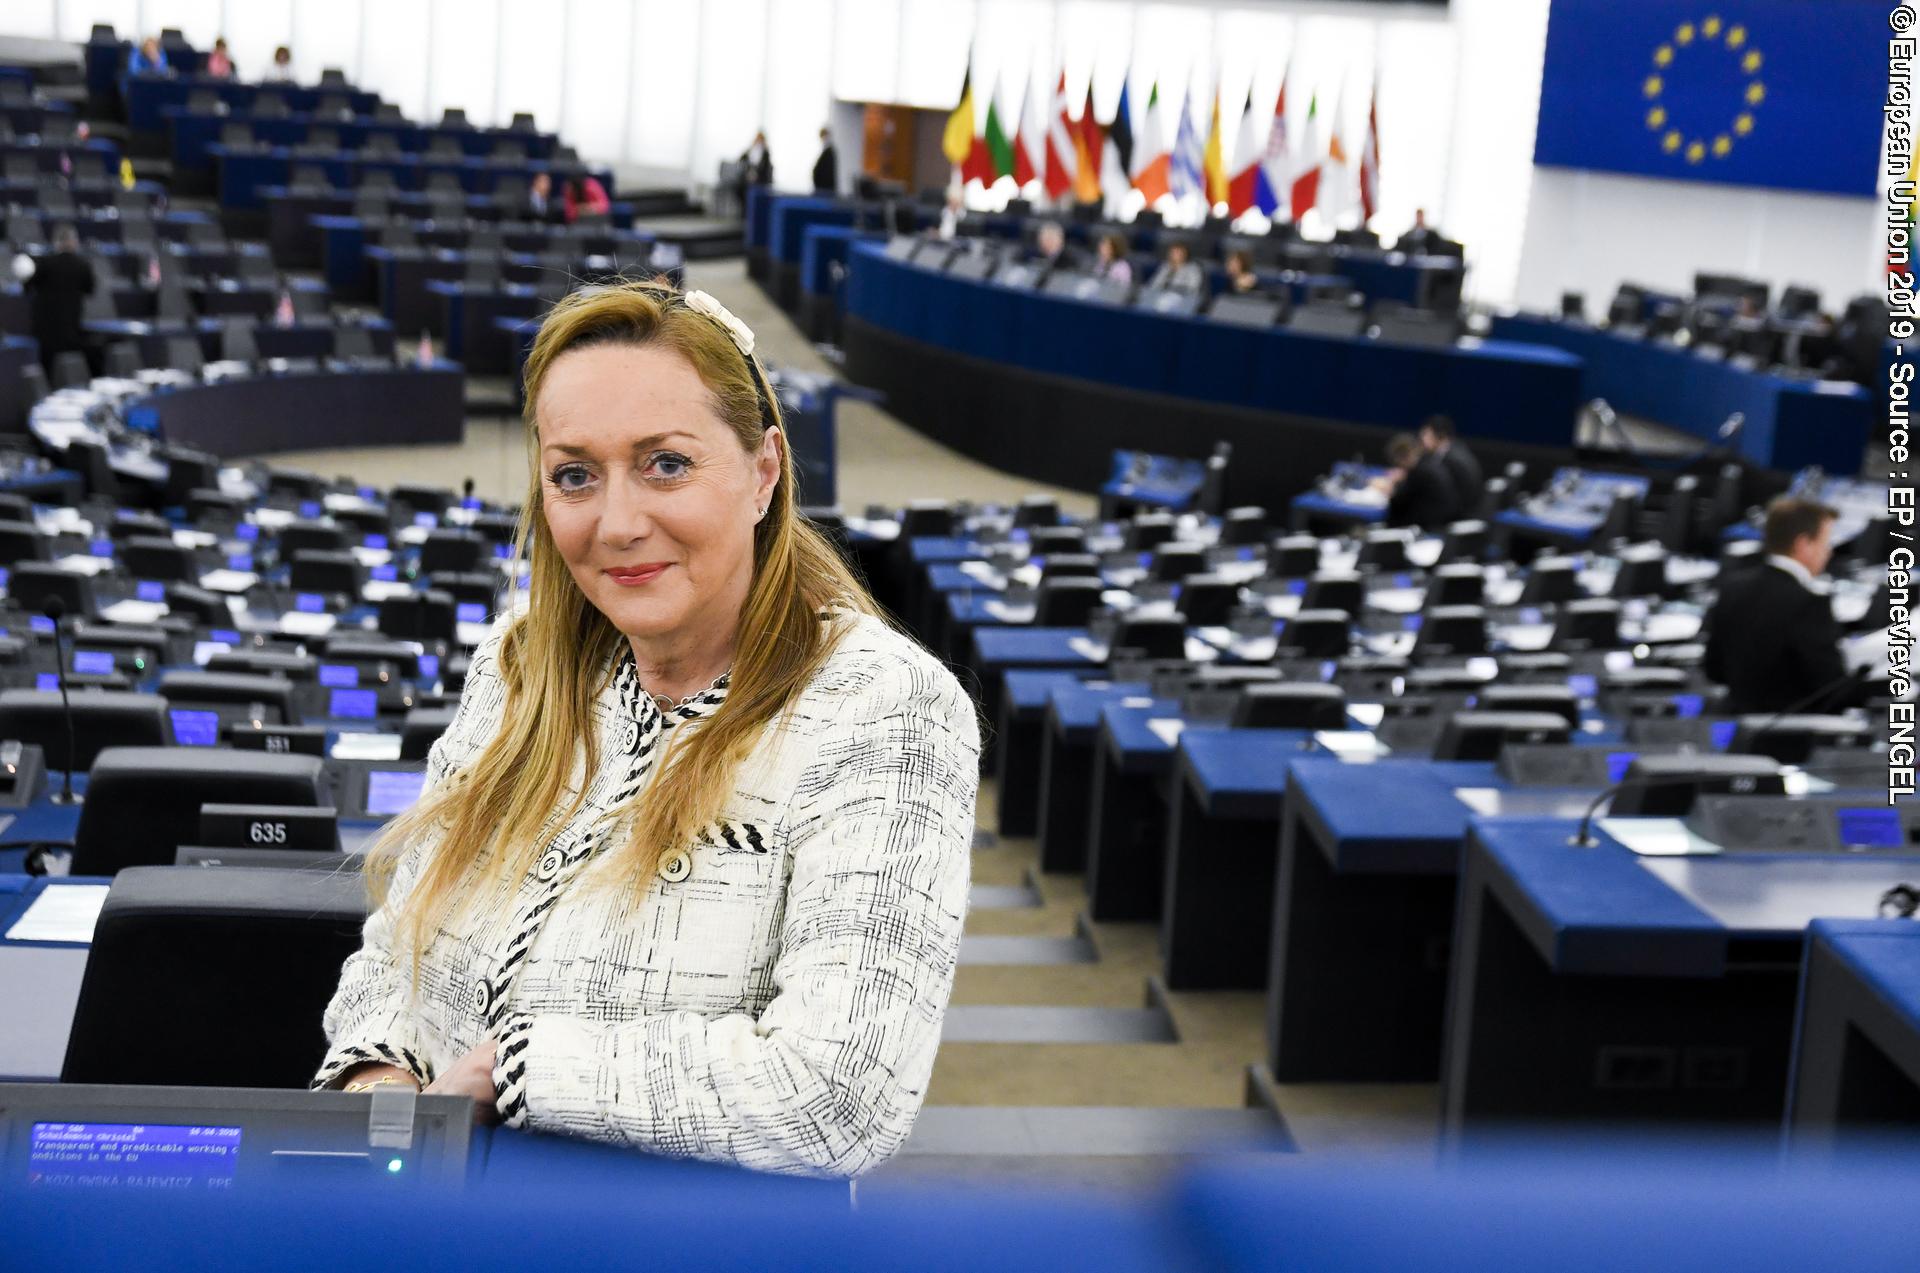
(1653, 86)
(1722, 145)
(1751, 62)
(1710, 28)
(1736, 36)
(1657, 117)
(1683, 34)
(1663, 55)
(1696, 151)
(1743, 123)
(1671, 142)
(1756, 93)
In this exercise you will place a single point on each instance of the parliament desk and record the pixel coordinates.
(245, 173)
(193, 135)
(791, 219)
(148, 96)
(1124, 803)
(466, 320)
(93, 158)
(312, 339)
(1019, 713)
(1222, 854)
(401, 278)
(1791, 423)
(1856, 1065)
(1321, 511)
(299, 411)
(298, 242)
(823, 276)
(1363, 915)
(1593, 986)
(1049, 386)
(1067, 815)
(39, 981)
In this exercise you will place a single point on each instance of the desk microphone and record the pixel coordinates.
(56, 609)
(1584, 837)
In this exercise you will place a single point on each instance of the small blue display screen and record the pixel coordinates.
(48, 681)
(229, 635)
(376, 542)
(239, 561)
(150, 590)
(1688, 706)
(309, 508)
(40, 623)
(354, 704)
(386, 574)
(393, 791)
(1871, 828)
(310, 603)
(471, 612)
(1721, 732)
(339, 676)
(132, 1156)
(429, 667)
(1583, 686)
(1617, 764)
(247, 531)
(194, 728)
(93, 663)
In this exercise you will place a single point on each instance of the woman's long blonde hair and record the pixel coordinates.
(559, 655)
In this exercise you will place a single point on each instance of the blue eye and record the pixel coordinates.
(570, 478)
(670, 465)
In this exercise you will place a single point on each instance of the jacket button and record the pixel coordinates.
(480, 999)
(676, 866)
(550, 863)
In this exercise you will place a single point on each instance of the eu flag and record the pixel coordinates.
(1779, 93)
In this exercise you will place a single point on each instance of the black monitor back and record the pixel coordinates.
(1480, 735)
(144, 802)
(202, 977)
(1667, 786)
(101, 719)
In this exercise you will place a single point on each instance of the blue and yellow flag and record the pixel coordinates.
(1778, 93)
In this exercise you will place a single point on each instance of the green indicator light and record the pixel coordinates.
(393, 1166)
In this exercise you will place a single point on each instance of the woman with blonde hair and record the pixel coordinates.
(691, 863)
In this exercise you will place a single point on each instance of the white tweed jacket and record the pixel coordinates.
(774, 998)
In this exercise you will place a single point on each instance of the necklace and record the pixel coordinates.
(668, 704)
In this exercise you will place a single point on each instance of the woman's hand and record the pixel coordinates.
(471, 1075)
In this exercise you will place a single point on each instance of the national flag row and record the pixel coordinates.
(1084, 160)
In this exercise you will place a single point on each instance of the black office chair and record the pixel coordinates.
(1283, 706)
(212, 509)
(1551, 580)
(1458, 583)
(1242, 526)
(194, 602)
(329, 572)
(1148, 531)
(31, 583)
(1592, 623)
(22, 541)
(1045, 541)
(121, 358)
(1384, 550)
(1066, 601)
(1175, 562)
(177, 948)
(147, 557)
(1452, 630)
(1317, 634)
(1037, 510)
(237, 343)
(1151, 638)
(419, 616)
(1208, 600)
(1642, 573)
(926, 518)
(1334, 590)
(101, 719)
(421, 729)
(1293, 556)
(311, 536)
(1482, 735)
(452, 550)
(70, 371)
(1557, 700)
(143, 803)
(267, 699)
(1060, 565)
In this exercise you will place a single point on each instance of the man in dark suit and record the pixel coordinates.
(826, 169)
(57, 287)
(1420, 493)
(1771, 637)
(1456, 461)
(1052, 253)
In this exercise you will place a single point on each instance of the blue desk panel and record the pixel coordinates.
(1503, 390)
(1791, 423)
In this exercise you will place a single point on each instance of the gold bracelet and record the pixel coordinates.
(368, 1086)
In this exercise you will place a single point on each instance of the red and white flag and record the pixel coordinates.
(1242, 187)
(1030, 138)
(1061, 129)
